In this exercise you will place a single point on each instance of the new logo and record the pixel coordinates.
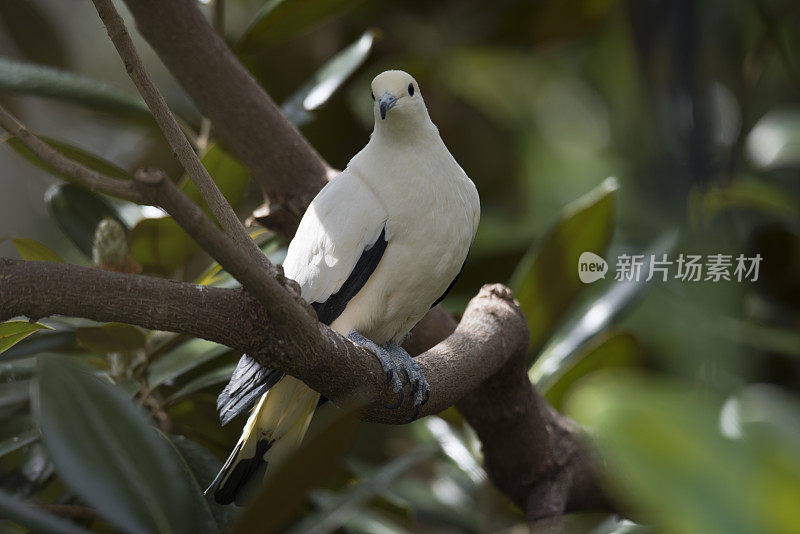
(591, 267)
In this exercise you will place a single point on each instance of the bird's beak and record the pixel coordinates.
(386, 103)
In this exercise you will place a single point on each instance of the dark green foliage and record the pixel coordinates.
(106, 451)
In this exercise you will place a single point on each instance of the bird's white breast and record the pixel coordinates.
(433, 210)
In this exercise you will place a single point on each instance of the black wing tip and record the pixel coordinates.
(226, 417)
(247, 384)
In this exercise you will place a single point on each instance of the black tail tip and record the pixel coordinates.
(239, 487)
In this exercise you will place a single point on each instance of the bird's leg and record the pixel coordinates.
(412, 373)
(395, 373)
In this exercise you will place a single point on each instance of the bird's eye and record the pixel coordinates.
(372, 95)
(411, 89)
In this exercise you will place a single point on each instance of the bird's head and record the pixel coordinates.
(398, 100)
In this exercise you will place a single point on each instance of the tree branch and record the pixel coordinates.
(288, 169)
(87, 177)
(40, 289)
(533, 454)
(326, 361)
(172, 131)
(268, 286)
(536, 456)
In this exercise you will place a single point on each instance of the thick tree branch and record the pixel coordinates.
(39, 289)
(535, 455)
(325, 360)
(532, 453)
(172, 131)
(282, 162)
(90, 178)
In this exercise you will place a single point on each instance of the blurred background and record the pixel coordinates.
(644, 127)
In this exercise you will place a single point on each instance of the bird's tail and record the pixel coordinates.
(276, 426)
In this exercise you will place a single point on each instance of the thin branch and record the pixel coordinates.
(288, 169)
(94, 180)
(172, 131)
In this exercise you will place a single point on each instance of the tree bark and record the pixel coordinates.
(491, 328)
(288, 169)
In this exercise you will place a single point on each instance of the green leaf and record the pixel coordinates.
(14, 443)
(12, 332)
(608, 349)
(220, 375)
(366, 521)
(36, 519)
(546, 280)
(111, 337)
(183, 359)
(279, 19)
(230, 175)
(13, 373)
(425, 502)
(160, 245)
(29, 79)
(743, 193)
(77, 212)
(346, 506)
(690, 467)
(454, 447)
(215, 276)
(587, 322)
(212, 524)
(106, 452)
(314, 93)
(42, 342)
(72, 152)
(14, 393)
(287, 485)
(32, 250)
(203, 466)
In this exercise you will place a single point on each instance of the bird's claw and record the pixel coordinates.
(421, 390)
(400, 397)
(393, 371)
(406, 378)
(400, 369)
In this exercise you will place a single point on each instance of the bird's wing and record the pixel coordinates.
(249, 381)
(338, 244)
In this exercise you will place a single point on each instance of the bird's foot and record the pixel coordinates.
(413, 374)
(400, 369)
(394, 374)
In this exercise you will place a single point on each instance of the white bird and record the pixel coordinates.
(381, 244)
